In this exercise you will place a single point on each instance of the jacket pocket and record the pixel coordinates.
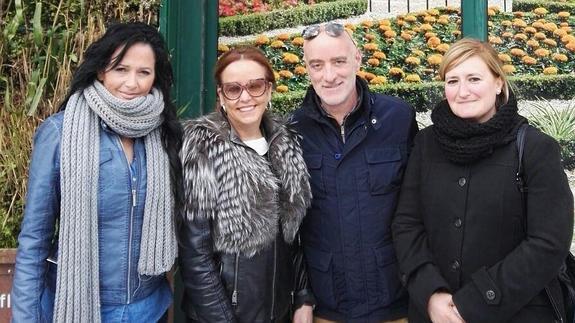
(387, 268)
(320, 273)
(314, 165)
(108, 171)
(384, 166)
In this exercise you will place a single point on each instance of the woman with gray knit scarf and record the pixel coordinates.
(98, 232)
(247, 191)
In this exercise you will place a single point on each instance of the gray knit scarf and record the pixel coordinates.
(77, 287)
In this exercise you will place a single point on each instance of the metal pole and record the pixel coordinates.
(474, 19)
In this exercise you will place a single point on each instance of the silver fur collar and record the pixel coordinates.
(246, 196)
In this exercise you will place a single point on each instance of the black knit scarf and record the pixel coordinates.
(464, 142)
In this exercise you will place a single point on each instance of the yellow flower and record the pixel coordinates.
(508, 69)
(396, 71)
(412, 60)
(528, 60)
(418, 52)
(495, 40)
(223, 48)
(550, 42)
(361, 74)
(384, 28)
(560, 57)
(540, 11)
(290, 58)
(373, 62)
(542, 52)
(530, 30)
(298, 41)
(550, 70)
(442, 48)
(504, 58)
(276, 75)
(507, 34)
(262, 40)
(378, 80)
(533, 43)
(370, 47)
(538, 25)
(390, 34)
(406, 36)
(385, 22)
(520, 36)
(433, 12)
(456, 33)
(350, 26)
(491, 12)
(379, 55)
(506, 23)
(286, 74)
(519, 23)
(539, 36)
(567, 39)
(429, 19)
(550, 26)
(282, 88)
(414, 78)
(369, 76)
(570, 46)
(367, 23)
(518, 14)
(433, 42)
(283, 36)
(426, 27)
(300, 70)
(410, 18)
(443, 21)
(277, 44)
(370, 37)
(429, 34)
(400, 22)
(517, 52)
(434, 59)
(563, 14)
(559, 33)
(566, 28)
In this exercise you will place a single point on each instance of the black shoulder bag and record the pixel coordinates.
(566, 275)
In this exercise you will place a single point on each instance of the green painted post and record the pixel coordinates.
(191, 32)
(474, 19)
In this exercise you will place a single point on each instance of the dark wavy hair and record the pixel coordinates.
(98, 58)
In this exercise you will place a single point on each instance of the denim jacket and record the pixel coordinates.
(121, 197)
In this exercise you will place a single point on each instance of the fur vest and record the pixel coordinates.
(246, 196)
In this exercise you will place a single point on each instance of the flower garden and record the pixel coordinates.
(409, 48)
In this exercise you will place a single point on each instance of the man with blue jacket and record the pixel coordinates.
(356, 144)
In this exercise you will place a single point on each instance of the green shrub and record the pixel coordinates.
(424, 96)
(302, 15)
(552, 6)
(559, 124)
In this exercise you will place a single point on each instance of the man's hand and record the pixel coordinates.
(304, 314)
(441, 309)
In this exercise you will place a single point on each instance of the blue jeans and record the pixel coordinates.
(149, 309)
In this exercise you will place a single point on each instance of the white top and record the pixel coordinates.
(260, 145)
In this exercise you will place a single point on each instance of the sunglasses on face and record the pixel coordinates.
(255, 88)
(333, 29)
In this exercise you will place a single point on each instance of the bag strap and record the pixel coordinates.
(519, 180)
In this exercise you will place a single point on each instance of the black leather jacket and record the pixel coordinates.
(252, 299)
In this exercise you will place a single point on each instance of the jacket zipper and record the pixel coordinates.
(235, 292)
(554, 305)
(342, 131)
(272, 318)
(133, 191)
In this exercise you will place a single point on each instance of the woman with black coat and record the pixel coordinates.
(246, 188)
(467, 250)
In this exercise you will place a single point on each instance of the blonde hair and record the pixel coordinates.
(466, 48)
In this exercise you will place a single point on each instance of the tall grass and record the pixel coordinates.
(41, 43)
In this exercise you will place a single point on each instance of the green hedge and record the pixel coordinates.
(423, 96)
(302, 15)
(552, 6)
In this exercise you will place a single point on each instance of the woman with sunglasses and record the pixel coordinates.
(246, 188)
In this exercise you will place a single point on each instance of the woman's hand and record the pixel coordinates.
(441, 309)
(304, 314)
